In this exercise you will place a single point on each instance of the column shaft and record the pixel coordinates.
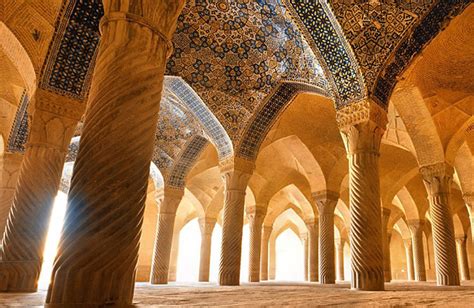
(305, 243)
(437, 179)
(255, 216)
(313, 238)
(416, 228)
(174, 258)
(37, 186)
(10, 164)
(207, 226)
(267, 231)
(98, 251)
(462, 257)
(362, 125)
(387, 268)
(272, 259)
(235, 185)
(340, 260)
(409, 257)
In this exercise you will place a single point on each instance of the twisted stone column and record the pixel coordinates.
(326, 202)
(469, 200)
(164, 235)
(387, 268)
(98, 251)
(9, 170)
(235, 185)
(174, 258)
(255, 215)
(416, 228)
(409, 256)
(313, 228)
(437, 179)
(267, 231)
(207, 226)
(340, 259)
(462, 257)
(362, 125)
(304, 241)
(54, 120)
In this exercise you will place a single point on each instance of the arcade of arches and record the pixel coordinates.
(335, 137)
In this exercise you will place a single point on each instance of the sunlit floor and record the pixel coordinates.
(273, 294)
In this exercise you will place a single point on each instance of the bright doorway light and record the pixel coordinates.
(189, 252)
(56, 223)
(289, 257)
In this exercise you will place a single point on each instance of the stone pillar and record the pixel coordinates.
(409, 254)
(416, 228)
(236, 180)
(362, 125)
(164, 235)
(462, 257)
(267, 231)
(387, 268)
(9, 170)
(52, 127)
(255, 215)
(207, 226)
(340, 259)
(304, 241)
(437, 179)
(110, 178)
(313, 229)
(326, 202)
(469, 200)
(174, 258)
(272, 259)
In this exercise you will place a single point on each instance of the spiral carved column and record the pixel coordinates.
(340, 259)
(304, 241)
(416, 228)
(326, 202)
(362, 125)
(174, 258)
(235, 185)
(98, 251)
(266, 232)
(38, 181)
(469, 200)
(387, 269)
(409, 257)
(255, 216)
(462, 256)
(437, 179)
(207, 226)
(313, 237)
(10, 164)
(164, 235)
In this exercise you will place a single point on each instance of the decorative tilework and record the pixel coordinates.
(264, 118)
(439, 16)
(71, 55)
(73, 149)
(19, 133)
(186, 161)
(233, 53)
(66, 177)
(156, 176)
(316, 20)
(194, 104)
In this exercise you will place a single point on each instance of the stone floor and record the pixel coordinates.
(272, 294)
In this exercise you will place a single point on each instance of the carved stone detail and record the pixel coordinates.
(9, 170)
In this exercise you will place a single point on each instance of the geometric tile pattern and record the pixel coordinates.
(411, 45)
(194, 104)
(70, 61)
(264, 118)
(19, 133)
(233, 54)
(186, 161)
(322, 30)
(73, 149)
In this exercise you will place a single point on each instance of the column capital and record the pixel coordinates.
(386, 212)
(461, 239)
(312, 225)
(469, 200)
(304, 236)
(256, 211)
(416, 225)
(170, 200)
(362, 125)
(437, 178)
(206, 224)
(326, 201)
(58, 104)
(407, 242)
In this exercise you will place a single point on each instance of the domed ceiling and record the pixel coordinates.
(233, 53)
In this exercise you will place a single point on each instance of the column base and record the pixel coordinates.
(367, 282)
(327, 281)
(229, 279)
(19, 276)
(447, 281)
(159, 279)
